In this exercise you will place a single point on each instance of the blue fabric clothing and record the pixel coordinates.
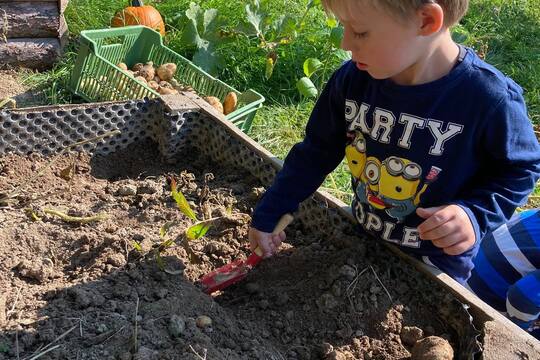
(463, 139)
(506, 272)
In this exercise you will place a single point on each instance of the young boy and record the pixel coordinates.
(506, 271)
(438, 142)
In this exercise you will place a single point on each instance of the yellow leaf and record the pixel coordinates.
(181, 201)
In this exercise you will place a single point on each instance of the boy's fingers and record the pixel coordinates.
(439, 232)
(457, 249)
(276, 239)
(265, 246)
(424, 213)
(446, 242)
(435, 217)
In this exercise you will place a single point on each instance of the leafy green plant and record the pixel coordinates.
(202, 31)
(311, 66)
(195, 231)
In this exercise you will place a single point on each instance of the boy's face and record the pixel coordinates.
(381, 44)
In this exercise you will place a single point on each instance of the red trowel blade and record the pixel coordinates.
(235, 271)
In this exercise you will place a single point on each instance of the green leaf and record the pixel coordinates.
(331, 22)
(208, 60)
(254, 17)
(137, 246)
(159, 261)
(306, 87)
(343, 55)
(311, 65)
(271, 59)
(460, 34)
(165, 228)
(285, 26)
(209, 22)
(181, 201)
(194, 13)
(197, 231)
(336, 36)
(313, 3)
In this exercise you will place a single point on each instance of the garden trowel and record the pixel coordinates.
(235, 271)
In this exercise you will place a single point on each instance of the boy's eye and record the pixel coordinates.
(360, 34)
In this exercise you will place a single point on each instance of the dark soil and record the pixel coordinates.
(83, 291)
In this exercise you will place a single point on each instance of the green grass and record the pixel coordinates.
(507, 30)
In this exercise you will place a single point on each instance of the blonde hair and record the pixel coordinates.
(454, 10)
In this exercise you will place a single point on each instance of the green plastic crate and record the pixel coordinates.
(95, 76)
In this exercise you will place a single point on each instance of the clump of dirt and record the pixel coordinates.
(94, 291)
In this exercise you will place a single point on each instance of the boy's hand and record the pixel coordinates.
(268, 242)
(448, 227)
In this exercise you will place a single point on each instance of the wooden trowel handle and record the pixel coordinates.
(283, 222)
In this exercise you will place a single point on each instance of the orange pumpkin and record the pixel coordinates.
(139, 14)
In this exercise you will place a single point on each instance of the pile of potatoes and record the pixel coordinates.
(161, 79)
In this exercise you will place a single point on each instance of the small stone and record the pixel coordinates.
(348, 272)
(145, 353)
(344, 333)
(116, 259)
(203, 321)
(263, 304)
(336, 355)
(101, 328)
(289, 315)
(282, 299)
(253, 288)
(411, 334)
(127, 190)
(326, 348)
(229, 343)
(35, 270)
(161, 293)
(125, 356)
(327, 301)
(81, 297)
(148, 187)
(177, 326)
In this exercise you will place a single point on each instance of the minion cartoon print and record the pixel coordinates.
(391, 185)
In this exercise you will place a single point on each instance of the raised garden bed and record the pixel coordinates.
(95, 291)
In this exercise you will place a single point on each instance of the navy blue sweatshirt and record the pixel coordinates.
(463, 139)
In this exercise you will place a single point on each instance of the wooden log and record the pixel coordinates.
(61, 3)
(36, 54)
(27, 19)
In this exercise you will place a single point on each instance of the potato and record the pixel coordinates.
(230, 103)
(137, 67)
(154, 85)
(148, 71)
(432, 348)
(167, 91)
(214, 101)
(166, 71)
(141, 78)
(166, 84)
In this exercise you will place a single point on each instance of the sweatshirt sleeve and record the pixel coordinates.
(309, 161)
(510, 169)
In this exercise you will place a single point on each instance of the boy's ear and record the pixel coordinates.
(431, 18)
